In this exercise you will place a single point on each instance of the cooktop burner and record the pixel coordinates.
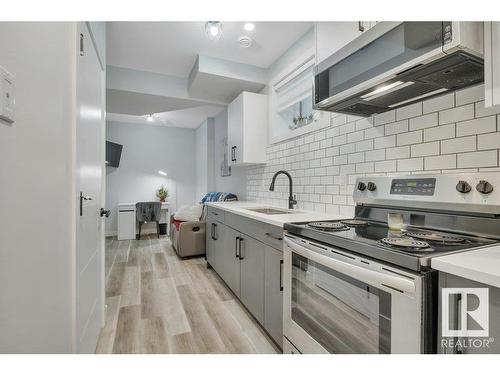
(328, 226)
(406, 243)
(435, 237)
(354, 222)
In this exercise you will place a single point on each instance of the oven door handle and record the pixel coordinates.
(363, 274)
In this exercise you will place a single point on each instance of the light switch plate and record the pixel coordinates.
(7, 98)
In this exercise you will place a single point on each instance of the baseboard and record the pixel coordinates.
(144, 231)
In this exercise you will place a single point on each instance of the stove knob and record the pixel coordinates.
(484, 187)
(361, 186)
(463, 187)
(371, 186)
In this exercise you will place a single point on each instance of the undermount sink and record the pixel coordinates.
(270, 211)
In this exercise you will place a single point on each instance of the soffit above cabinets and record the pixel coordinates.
(223, 80)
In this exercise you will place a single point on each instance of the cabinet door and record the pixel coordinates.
(235, 130)
(226, 257)
(273, 305)
(252, 259)
(126, 224)
(491, 64)
(332, 36)
(211, 242)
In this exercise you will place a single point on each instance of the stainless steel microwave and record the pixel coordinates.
(395, 64)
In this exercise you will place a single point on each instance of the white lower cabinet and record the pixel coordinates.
(126, 222)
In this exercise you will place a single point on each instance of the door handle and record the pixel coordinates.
(239, 245)
(281, 275)
(236, 247)
(83, 198)
(104, 212)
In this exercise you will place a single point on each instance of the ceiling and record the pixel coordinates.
(189, 118)
(172, 47)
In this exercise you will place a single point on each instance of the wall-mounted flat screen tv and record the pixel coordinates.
(113, 154)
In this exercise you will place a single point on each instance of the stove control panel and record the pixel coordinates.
(413, 186)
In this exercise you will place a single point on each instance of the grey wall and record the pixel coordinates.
(36, 199)
(236, 183)
(147, 149)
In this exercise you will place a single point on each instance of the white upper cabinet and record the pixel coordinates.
(247, 118)
(492, 64)
(332, 36)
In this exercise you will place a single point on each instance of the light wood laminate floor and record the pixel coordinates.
(159, 303)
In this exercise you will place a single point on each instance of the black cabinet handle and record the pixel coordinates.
(281, 275)
(239, 245)
(360, 26)
(236, 247)
(215, 232)
(233, 153)
(212, 231)
(274, 237)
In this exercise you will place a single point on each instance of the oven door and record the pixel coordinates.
(336, 302)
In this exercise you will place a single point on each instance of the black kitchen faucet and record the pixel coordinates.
(291, 198)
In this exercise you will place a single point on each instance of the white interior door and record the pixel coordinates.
(89, 267)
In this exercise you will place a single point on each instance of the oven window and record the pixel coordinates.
(342, 314)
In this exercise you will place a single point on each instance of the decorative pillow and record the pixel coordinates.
(189, 213)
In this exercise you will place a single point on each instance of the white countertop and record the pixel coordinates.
(240, 208)
(482, 265)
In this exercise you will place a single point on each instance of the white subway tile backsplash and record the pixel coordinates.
(456, 114)
(385, 118)
(385, 142)
(439, 132)
(385, 166)
(375, 155)
(397, 152)
(439, 103)
(425, 149)
(477, 126)
(425, 121)
(364, 145)
(477, 159)
(433, 136)
(396, 127)
(481, 111)
(440, 162)
(409, 138)
(488, 141)
(407, 165)
(456, 145)
(412, 110)
(469, 95)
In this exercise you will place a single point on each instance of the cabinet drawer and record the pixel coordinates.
(269, 234)
(216, 214)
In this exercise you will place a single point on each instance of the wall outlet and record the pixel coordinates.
(7, 100)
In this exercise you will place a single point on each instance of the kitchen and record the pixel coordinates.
(324, 187)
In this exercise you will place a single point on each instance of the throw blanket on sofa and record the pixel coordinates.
(219, 197)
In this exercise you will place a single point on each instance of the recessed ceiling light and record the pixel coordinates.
(150, 118)
(213, 29)
(249, 26)
(245, 41)
(163, 173)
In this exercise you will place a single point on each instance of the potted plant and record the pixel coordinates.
(162, 193)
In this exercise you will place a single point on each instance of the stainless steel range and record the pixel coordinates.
(364, 284)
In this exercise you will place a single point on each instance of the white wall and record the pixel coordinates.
(205, 179)
(147, 149)
(236, 183)
(36, 199)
